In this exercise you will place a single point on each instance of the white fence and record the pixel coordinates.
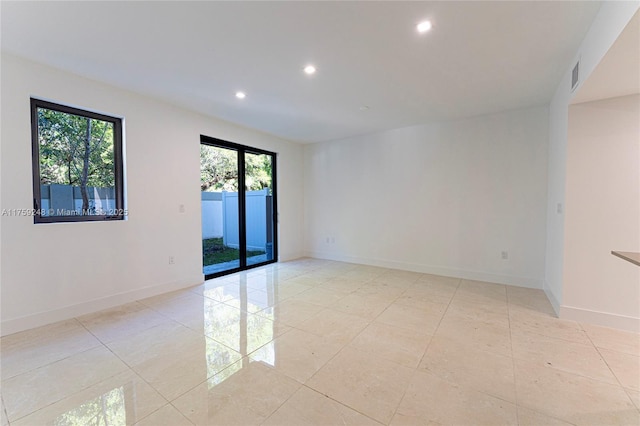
(220, 218)
(55, 197)
(211, 215)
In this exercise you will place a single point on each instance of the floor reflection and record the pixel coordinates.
(285, 344)
(107, 409)
(192, 341)
(238, 329)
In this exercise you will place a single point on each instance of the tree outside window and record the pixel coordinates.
(77, 164)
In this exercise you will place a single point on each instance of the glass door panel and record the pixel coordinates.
(220, 216)
(259, 207)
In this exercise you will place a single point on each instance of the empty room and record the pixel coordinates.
(320, 213)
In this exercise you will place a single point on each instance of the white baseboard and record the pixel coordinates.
(604, 319)
(286, 257)
(555, 303)
(435, 270)
(15, 325)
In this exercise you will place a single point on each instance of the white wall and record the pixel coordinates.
(607, 26)
(55, 271)
(603, 212)
(443, 198)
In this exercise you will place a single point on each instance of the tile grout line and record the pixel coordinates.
(127, 364)
(132, 369)
(573, 373)
(99, 342)
(158, 409)
(341, 403)
(511, 308)
(305, 383)
(626, 391)
(206, 336)
(440, 321)
(417, 368)
(340, 351)
(104, 345)
(336, 354)
(175, 408)
(74, 393)
(513, 358)
(4, 410)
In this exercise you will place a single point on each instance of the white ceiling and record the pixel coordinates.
(618, 73)
(480, 57)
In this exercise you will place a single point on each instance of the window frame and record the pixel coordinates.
(242, 150)
(118, 161)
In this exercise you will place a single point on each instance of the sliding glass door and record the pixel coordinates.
(259, 218)
(238, 194)
(220, 231)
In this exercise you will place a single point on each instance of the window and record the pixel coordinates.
(77, 164)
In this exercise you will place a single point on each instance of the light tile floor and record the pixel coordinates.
(325, 343)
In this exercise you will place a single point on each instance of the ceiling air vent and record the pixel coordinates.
(574, 75)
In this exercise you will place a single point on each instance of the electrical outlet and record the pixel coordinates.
(172, 260)
(181, 208)
(559, 208)
(505, 255)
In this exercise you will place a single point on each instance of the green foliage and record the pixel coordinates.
(219, 170)
(258, 172)
(62, 138)
(214, 251)
(107, 409)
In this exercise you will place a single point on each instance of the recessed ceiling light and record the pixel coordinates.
(310, 69)
(241, 95)
(423, 26)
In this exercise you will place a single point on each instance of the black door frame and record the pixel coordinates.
(242, 214)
